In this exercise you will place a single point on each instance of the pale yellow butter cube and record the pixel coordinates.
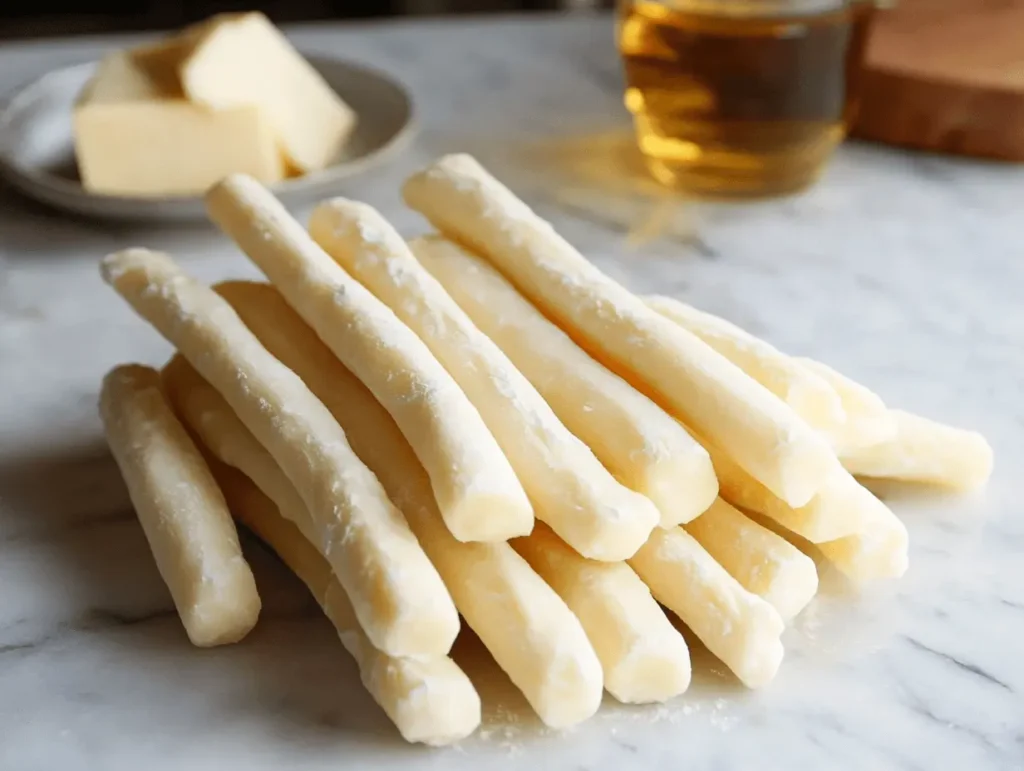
(136, 135)
(243, 59)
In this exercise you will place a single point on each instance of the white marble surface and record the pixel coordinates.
(906, 271)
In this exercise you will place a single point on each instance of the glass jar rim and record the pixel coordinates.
(763, 8)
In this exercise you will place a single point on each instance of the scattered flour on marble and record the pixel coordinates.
(512, 731)
(507, 729)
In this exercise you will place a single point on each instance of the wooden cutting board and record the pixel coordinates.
(947, 75)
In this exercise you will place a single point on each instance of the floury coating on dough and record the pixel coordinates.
(810, 396)
(737, 626)
(180, 507)
(428, 698)
(878, 551)
(644, 447)
(393, 587)
(528, 629)
(676, 368)
(868, 421)
(230, 442)
(921, 450)
(762, 561)
(836, 510)
(570, 489)
(856, 531)
(644, 657)
(210, 418)
(477, 491)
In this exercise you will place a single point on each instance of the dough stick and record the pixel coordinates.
(762, 561)
(878, 551)
(226, 438)
(810, 396)
(738, 627)
(182, 512)
(568, 486)
(873, 543)
(697, 384)
(428, 698)
(644, 657)
(397, 595)
(868, 421)
(832, 513)
(634, 438)
(925, 451)
(528, 629)
(476, 488)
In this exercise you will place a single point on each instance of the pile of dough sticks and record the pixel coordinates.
(478, 423)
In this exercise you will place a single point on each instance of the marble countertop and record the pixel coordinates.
(905, 271)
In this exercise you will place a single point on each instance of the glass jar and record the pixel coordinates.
(741, 97)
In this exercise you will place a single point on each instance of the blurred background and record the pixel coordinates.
(36, 18)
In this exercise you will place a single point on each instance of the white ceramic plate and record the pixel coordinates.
(37, 147)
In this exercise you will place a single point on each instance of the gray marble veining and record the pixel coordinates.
(904, 270)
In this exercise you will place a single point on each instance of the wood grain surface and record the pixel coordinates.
(947, 75)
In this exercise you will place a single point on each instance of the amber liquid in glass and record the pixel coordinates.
(740, 104)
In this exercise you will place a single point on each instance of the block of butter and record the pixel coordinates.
(136, 134)
(240, 59)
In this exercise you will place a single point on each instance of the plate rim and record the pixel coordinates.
(56, 191)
